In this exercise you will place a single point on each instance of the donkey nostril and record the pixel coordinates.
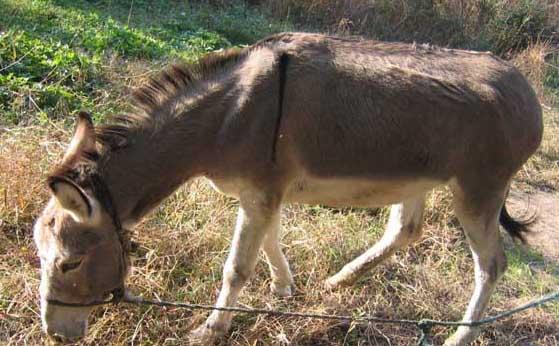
(60, 339)
(57, 338)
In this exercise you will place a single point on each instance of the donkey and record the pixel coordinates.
(296, 117)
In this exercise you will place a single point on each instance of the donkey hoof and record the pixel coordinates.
(331, 284)
(205, 335)
(281, 290)
(453, 342)
(462, 337)
(337, 281)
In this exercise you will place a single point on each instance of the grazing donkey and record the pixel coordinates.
(294, 118)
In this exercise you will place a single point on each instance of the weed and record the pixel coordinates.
(516, 25)
(54, 54)
(502, 26)
(59, 56)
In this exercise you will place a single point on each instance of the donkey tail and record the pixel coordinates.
(516, 228)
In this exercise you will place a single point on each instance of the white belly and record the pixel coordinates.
(340, 192)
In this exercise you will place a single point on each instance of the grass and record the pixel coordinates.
(502, 26)
(61, 56)
(57, 57)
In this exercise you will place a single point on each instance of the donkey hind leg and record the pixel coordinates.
(479, 219)
(255, 218)
(282, 280)
(404, 227)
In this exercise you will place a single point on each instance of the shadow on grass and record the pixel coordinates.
(237, 24)
(99, 32)
(519, 256)
(54, 54)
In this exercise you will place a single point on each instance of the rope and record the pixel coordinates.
(423, 325)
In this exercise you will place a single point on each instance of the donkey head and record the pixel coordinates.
(78, 239)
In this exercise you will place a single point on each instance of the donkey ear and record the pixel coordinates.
(71, 197)
(83, 139)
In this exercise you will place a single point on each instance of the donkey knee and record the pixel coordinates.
(414, 231)
(491, 264)
(409, 233)
(236, 276)
(497, 267)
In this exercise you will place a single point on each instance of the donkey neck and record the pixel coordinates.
(159, 159)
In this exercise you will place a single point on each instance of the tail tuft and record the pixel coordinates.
(516, 228)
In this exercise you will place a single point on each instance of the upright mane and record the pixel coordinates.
(151, 105)
(155, 97)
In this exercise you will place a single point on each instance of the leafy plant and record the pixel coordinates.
(54, 54)
(516, 24)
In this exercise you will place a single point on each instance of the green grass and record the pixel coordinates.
(54, 54)
(57, 57)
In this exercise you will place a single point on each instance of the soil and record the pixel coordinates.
(545, 230)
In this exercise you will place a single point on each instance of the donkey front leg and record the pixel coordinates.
(257, 214)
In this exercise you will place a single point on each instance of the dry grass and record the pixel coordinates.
(533, 63)
(542, 171)
(501, 26)
(184, 243)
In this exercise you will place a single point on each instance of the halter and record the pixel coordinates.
(105, 198)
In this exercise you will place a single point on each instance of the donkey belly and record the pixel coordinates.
(341, 192)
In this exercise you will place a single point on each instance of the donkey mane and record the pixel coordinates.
(152, 105)
(149, 103)
(155, 97)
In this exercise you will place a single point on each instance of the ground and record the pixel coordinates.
(184, 242)
(544, 236)
(183, 245)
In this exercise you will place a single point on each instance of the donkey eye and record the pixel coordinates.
(67, 266)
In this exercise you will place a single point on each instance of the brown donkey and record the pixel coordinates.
(294, 118)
